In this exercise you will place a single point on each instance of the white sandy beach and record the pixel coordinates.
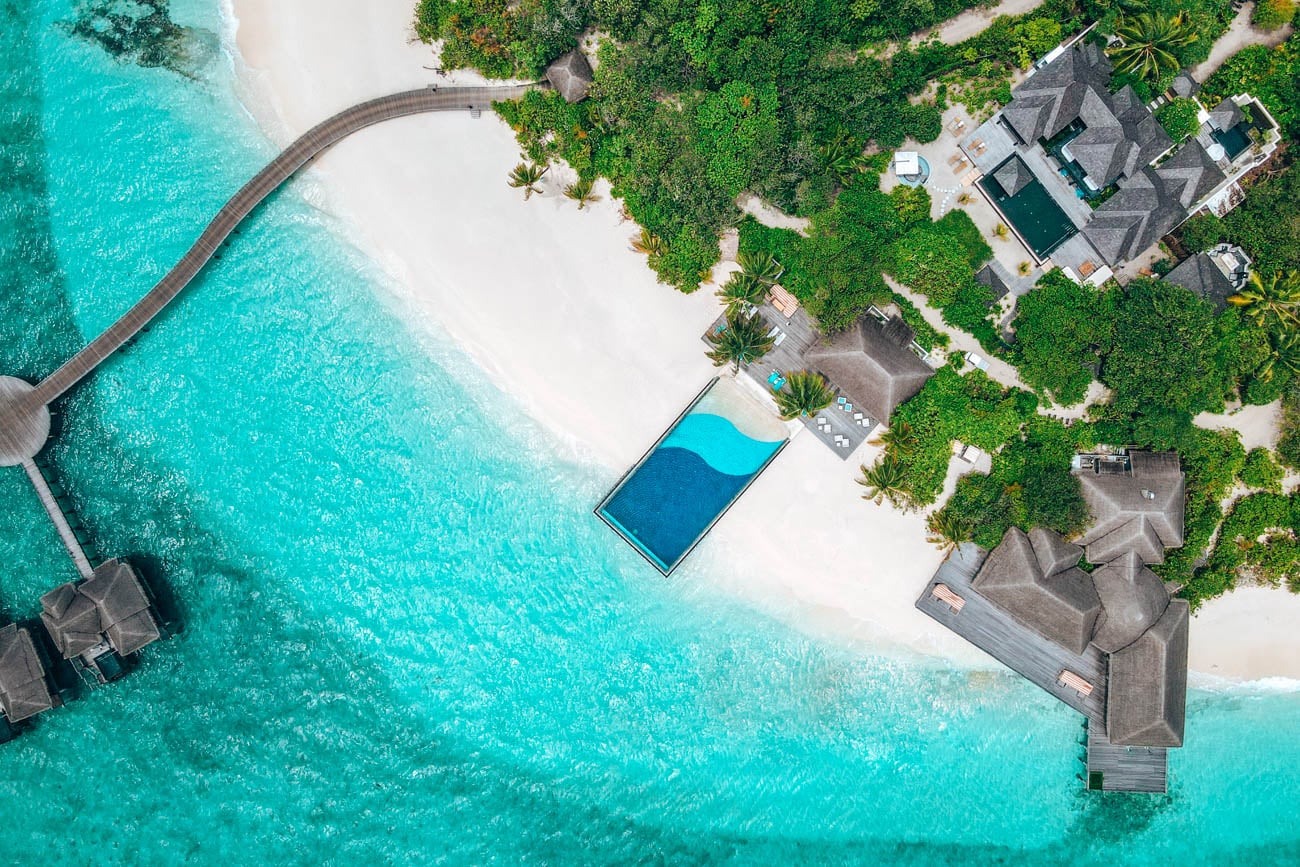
(554, 305)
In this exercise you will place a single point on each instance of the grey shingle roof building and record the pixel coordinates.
(24, 691)
(872, 364)
(1146, 700)
(1136, 505)
(1132, 599)
(111, 605)
(1037, 580)
(1214, 275)
(571, 75)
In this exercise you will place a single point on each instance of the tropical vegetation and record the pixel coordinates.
(887, 480)
(1150, 44)
(527, 176)
(580, 192)
(805, 394)
(743, 339)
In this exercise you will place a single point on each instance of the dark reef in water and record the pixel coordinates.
(140, 32)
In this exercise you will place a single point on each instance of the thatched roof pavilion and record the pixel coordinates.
(111, 605)
(872, 364)
(1132, 599)
(1136, 507)
(24, 691)
(571, 75)
(1146, 702)
(1036, 579)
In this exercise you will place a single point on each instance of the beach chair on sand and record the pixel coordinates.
(944, 594)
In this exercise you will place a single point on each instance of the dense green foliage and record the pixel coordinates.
(1288, 444)
(1267, 223)
(1179, 117)
(1030, 485)
(1272, 14)
(1063, 330)
(1258, 539)
(1201, 232)
(1261, 471)
(972, 409)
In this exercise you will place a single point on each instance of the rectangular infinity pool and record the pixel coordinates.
(1032, 212)
(675, 494)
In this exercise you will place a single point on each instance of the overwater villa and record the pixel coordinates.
(1089, 180)
(99, 624)
(1111, 643)
(26, 687)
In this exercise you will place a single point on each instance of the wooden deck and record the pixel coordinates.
(60, 520)
(801, 333)
(1018, 647)
(277, 172)
(1113, 768)
(1110, 768)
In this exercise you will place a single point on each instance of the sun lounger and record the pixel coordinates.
(944, 594)
(780, 338)
(776, 329)
(1070, 680)
(956, 160)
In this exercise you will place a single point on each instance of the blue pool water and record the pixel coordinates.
(689, 479)
(412, 642)
(1032, 212)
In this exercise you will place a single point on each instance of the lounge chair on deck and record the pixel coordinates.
(944, 594)
(1074, 681)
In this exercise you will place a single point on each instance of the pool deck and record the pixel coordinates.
(999, 146)
(1040, 661)
(801, 333)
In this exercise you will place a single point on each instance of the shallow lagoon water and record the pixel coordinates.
(408, 638)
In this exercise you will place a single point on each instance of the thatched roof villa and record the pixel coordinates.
(24, 686)
(571, 76)
(1114, 633)
(99, 622)
(872, 364)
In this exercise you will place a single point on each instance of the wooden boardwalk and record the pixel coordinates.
(1110, 768)
(310, 145)
(1002, 637)
(60, 520)
(1114, 768)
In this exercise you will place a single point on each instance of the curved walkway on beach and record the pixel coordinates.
(24, 418)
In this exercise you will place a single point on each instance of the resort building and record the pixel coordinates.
(1089, 180)
(25, 689)
(571, 76)
(874, 365)
(1215, 275)
(99, 623)
(1111, 643)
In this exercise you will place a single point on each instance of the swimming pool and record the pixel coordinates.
(1031, 211)
(675, 494)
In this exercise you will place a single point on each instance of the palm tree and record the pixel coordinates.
(744, 339)
(1286, 355)
(648, 243)
(1001, 231)
(946, 530)
(740, 291)
(842, 157)
(580, 192)
(887, 480)
(761, 266)
(1150, 43)
(808, 394)
(527, 176)
(1274, 298)
(900, 438)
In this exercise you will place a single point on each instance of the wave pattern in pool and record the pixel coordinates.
(671, 499)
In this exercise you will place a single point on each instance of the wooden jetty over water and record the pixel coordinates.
(1040, 661)
(24, 407)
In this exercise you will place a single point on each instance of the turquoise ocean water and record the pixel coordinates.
(408, 639)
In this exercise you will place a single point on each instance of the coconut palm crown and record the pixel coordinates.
(761, 266)
(806, 393)
(526, 176)
(744, 339)
(1150, 44)
(1270, 301)
(887, 480)
(740, 291)
(580, 192)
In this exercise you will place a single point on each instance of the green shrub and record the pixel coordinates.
(1202, 232)
(1179, 117)
(1063, 329)
(1261, 471)
(1272, 14)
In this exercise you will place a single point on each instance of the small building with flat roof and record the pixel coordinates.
(873, 365)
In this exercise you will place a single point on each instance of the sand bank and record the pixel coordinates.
(553, 304)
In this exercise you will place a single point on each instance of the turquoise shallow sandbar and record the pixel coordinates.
(675, 494)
